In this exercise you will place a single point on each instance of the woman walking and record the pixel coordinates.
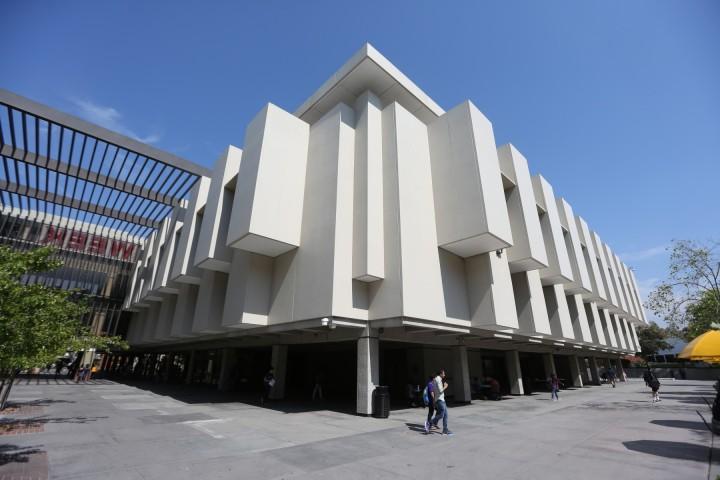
(554, 387)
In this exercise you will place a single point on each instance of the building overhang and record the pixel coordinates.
(369, 70)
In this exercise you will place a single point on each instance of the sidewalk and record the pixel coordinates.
(115, 431)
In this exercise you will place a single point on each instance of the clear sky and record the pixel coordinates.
(615, 102)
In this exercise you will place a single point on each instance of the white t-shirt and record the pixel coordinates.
(439, 390)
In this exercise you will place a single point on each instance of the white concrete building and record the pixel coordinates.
(373, 220)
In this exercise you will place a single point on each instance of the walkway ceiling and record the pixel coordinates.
(57, 165)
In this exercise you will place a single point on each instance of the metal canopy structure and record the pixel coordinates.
(60, 166)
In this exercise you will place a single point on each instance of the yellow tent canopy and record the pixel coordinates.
(705, 348)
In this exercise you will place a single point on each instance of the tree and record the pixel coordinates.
(691, 294)
(701, 317)
(653, 339)
(38, 323)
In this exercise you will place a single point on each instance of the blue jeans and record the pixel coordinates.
(553, 393)
(441, 413)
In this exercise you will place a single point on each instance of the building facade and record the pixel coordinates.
(371, 237)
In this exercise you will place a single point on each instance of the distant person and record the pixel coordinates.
(58, 368)
(439, 387)
(494, 388)
(268, 384)
(429, 400)
(317, 388)
(647, 376)
(554, 387)
(80, 374)
(655, 387)
(611, 376)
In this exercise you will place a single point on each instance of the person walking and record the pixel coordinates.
(439, 387)
(554, 387)
(268, 384)
(429, 399)
(611, 376)
(80, 374)
(655, 387)
(647, 376)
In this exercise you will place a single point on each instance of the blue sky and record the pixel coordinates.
(616, 103)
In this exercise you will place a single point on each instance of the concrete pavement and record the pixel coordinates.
(115, 431)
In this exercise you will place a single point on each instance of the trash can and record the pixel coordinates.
(381, 402)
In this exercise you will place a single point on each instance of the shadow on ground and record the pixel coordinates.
(28, 422)
(16, 454)
(685, 424)
(674, 450)
(200, 394)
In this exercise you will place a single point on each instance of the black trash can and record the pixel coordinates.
(381, 402)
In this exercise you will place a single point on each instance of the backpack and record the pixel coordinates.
(426, 393)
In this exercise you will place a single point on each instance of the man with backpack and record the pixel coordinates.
(429, 400)
(439, 387)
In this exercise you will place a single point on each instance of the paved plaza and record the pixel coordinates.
(115, 431)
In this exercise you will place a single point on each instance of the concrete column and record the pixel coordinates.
(549, 364)
(368, 370)
(584, 371)
(512, 362)
(228, 366)
(461, 374)
(190, 367)
(620, 370)
(594, 374)
(575, 371)
(279, 363)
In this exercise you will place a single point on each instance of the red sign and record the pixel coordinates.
(81, 241)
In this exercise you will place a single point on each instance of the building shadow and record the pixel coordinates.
(688, 394)
(208, 394)
(674, 450)
(684, 424)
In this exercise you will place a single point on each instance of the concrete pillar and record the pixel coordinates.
(228, 366)
(620, 370)
(594, 373)
(461, 374)
(512, 362)
(279, 363)
(368, 370)
(575, 374)
(190, 367)
(549, 364)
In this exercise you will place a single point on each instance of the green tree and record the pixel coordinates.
(701, 316)
(38, 323)
(691, 294)
(653, 339)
